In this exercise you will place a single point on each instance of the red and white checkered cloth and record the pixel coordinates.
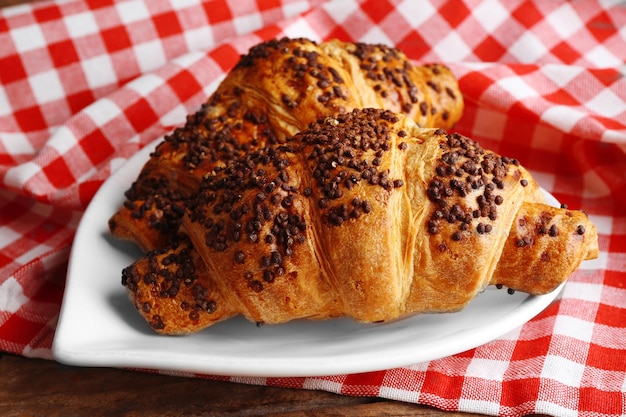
(84, 84)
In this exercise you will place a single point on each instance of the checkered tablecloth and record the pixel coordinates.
(84, 84)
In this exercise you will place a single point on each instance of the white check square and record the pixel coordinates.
(28, 38)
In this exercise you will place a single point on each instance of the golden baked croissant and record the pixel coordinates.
(274, 92)
(363, 214)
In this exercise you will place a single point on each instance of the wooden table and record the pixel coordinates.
(32, 387)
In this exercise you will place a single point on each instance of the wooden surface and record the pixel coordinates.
(4, 3)
(32, 387)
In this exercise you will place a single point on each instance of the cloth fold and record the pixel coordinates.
(85, 84)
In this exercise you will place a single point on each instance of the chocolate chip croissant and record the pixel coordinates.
(274, 92)
(363, 214)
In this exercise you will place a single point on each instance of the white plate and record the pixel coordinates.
(99, 326)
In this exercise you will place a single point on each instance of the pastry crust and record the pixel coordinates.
(367, 215)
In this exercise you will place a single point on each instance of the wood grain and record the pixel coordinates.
(35, 387)
(5, 3)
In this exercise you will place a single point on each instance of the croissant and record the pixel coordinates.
(274, 92)
(363, 214)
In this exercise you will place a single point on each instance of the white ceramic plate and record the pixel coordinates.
(99, 326)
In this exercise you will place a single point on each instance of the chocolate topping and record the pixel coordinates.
(346, 151)
(168, 271)
(464, 168)
(389, 71)
(260, 199)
